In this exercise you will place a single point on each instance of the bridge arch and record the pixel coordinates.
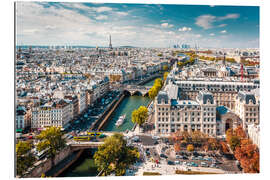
(126, 93)
(138, 93)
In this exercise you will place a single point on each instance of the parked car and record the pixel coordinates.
(203, 164)
(176, 162)
(170, 163)
(178, 157)
(185, 157)
(163, 156)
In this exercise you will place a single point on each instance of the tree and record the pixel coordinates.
(140, 115)
(165, 75)
(190, 147)
(177, 147)
(240, 132)
(213, 144)
(229, 134)
(52, 141)
(115, 156)
(158, 83)
(153, 92)
(165, 68)
(197, 137)
(234, 142)
(224, 148)
(24, 157)
(248, 156)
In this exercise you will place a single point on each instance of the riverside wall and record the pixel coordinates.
(45, 165)
(107, 116)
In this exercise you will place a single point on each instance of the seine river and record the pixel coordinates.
(85, 165)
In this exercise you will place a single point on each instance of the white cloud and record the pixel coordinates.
(102, 9)
(205, 21)
(223, 32)
(122, 13)
(185, 29)
(101, 17)
(229, 16)
(166, 25)
(211, 34)
(222, 25)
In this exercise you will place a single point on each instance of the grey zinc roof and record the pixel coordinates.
(246, 97)
(162, 95)
(204, 96)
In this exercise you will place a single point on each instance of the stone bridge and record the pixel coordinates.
(135, 89)
(75, 146)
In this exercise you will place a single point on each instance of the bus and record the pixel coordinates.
(95, 134)
(82, 138)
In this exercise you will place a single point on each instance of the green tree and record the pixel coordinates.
(24, 157)
(190, 147)
(140, 115)
(115, 156)
(51, 140)
(153, 92)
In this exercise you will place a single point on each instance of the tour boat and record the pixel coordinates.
(120, 121)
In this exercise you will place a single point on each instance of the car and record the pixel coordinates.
(203, 164)
(170, 163)
(200, 158)
(178, 157)
(189, 164)
(185, 157)
(163, 156)
(176, 162)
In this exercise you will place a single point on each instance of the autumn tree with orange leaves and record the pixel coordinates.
(248, 156)
(244, 151)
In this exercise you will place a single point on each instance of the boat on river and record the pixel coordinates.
(120, 121)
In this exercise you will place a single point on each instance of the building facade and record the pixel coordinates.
(173, 114)
(55, 114)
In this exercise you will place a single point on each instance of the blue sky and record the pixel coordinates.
(141, 25)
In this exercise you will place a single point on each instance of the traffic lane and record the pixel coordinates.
(147, 140)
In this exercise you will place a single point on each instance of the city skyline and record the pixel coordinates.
(89, 24)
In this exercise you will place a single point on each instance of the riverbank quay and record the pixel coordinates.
(111, 110)
(101, 118)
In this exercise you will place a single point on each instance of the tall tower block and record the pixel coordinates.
(110, 44)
